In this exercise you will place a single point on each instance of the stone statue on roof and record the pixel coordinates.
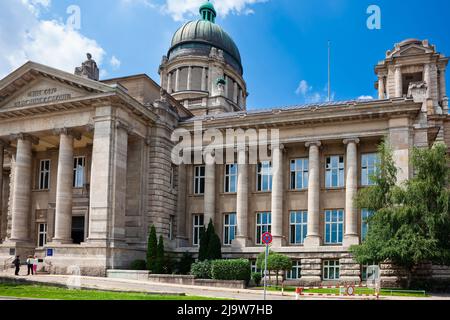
(88, 69)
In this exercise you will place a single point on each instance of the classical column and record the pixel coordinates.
(20, 228)
(210, 193)
(427, 78)
(443, 87)
(2, 154)
(181, 209)
(398, 82)
(351, 188)
(313, 238)
(277, 196)
(177, 80)
(189, 79)
(381, 89)
(64, 189)
(242, 200)
(169, 82)
(204, 85)
(235, 93)
(108, 178)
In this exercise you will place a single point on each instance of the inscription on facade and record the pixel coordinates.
(43, 96)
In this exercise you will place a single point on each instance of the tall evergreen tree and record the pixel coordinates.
(160, 257)
(214, 251)
(152, 245)
(203, 246)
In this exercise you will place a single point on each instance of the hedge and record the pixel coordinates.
(139, 265)
(238, 269)
(201, 270)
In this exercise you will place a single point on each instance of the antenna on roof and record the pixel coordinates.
(329, 71)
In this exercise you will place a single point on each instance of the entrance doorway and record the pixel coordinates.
(78, 229)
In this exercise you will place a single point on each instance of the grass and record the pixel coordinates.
(384, 292)
(56, 293)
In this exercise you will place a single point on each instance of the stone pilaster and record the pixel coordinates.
(108, 179)
(235, 93)
(210, 193)
(313, 238)
(189, 79)
(443, 87)
(381, 88)
(177, 80)
(182, 239)
(400, 140)
(64, 189)
(350, 271)
(351, 189)
(277, 196)
(427, 78)
(242, 239)
(204, 84)
(398, 82)
(311, 271)
(169, 83)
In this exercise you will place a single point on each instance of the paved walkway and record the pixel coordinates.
(175, 289)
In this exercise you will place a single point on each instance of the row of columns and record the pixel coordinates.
(314, 238)
(176, 85)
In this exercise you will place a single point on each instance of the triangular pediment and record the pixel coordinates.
(412, 51)
(35, 84)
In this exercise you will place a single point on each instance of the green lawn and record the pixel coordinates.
(384, 292)
(55, 293)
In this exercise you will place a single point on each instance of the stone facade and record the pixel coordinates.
(87, 164)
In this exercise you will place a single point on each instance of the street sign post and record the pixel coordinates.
(267, 240)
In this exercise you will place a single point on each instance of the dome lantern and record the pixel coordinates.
(207, 12)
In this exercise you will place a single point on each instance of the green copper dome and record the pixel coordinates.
(197, 38)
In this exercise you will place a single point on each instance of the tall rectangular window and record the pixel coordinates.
(335, 168)
(365, 215)
(44, 175)
(42, 235)
(298, 227)
(369, 165)
(197, 225)
(229, 228)
(263, 225)
(331, 270)
(231, 171)
(334, 226)
(199, 179)
(264, 174)
(299, 174)
(79, 164)
(296, 272)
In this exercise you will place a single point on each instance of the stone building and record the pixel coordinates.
(87, 164)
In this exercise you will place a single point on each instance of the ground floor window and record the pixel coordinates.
(254, 267)
(42, 236)
(296, 272)
(78, 229)
(331, 270)
(198, 225)
(229, 228)
(364, 272)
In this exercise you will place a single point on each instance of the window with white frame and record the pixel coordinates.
(42, 234)
(296, 272)
(254, 267)
(365, 216)
(231, 171)
(229, 228)
(298, 227)
(369, 167)
(264, 176)
(334, 226)
(197, 226)
(79, 164)
(44, 175)
(334, 176)
(263, 225)
(331, 269)
(364, 272)
(299, 174)
(199, 179)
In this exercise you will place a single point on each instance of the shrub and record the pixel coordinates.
(257, 277)
(152, 247)
(238, 269)
(201, 270)
(139, 265)
(185, 263)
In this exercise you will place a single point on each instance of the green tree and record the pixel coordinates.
(203, 246)
(152, 245)
(411, 223)
(210, 244)
(276, 262)
(160, 257)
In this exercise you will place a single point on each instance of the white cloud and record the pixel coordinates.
(309, 95)
(115, 63)
(365, 98)
(25, 36)
(181, 10)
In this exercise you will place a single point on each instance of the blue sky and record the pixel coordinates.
(282, 42)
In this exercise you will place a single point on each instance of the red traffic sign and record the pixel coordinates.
(267, 238)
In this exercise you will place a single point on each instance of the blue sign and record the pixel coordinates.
(49, 252)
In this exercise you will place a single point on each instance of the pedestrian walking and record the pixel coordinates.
(35, 264)
(16, 264)
(30, 265)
